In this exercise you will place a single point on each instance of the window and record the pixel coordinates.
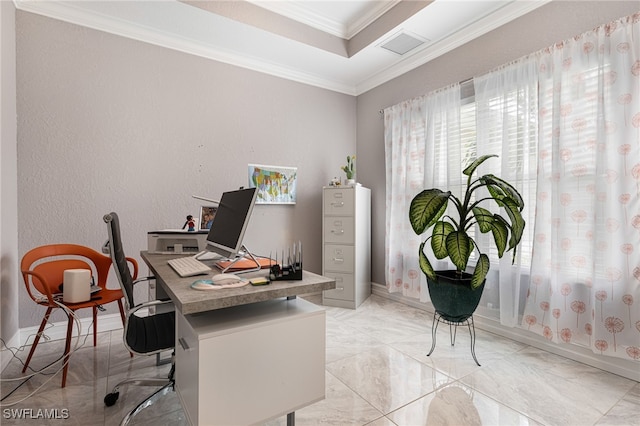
(512, 135)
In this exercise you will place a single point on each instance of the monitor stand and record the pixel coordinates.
(246, 256)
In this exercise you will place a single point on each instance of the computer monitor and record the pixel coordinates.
(230, 222)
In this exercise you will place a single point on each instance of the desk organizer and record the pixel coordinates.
(291, 269)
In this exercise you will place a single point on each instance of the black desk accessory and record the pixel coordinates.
(290, 268)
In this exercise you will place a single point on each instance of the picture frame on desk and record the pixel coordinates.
(207, 213)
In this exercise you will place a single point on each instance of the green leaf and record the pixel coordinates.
(425, 266)
(517, 222)
(517, 230)
(468, 171)
(439, 237)
(459, 248)
(484, 219)
(505, 187)
(499, 229)
(481, 271)
(426, 209)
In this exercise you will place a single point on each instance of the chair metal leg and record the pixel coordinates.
(166, 385)
(147, 402)
(140, 382)
(37, 339)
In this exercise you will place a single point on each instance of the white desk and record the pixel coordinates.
(249, 354)
(251, 363)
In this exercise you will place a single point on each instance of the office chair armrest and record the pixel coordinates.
(133, 263)
(136, 308)
(139, 280)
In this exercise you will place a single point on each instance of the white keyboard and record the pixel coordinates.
(188, 266)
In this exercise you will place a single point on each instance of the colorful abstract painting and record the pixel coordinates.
(276, 185)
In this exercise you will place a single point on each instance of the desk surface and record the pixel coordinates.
(190, 301)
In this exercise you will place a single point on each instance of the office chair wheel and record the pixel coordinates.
(111, 398)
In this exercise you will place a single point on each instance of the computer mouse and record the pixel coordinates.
(203, 285)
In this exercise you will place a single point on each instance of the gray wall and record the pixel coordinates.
(106, 123)
(546, 25)
(8, 185)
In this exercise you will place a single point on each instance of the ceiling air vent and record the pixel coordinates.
(402, 43)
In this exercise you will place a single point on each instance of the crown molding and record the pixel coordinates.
(304, 15)
(65, 11)
(367, 19)
(438, 48)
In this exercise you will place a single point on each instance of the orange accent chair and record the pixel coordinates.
(43, 271)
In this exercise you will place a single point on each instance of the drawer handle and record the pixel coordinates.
(337, 231)
(340, 288)
(340, 204)
(338, 260)
(183, 343)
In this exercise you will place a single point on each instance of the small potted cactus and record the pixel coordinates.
(350, 169)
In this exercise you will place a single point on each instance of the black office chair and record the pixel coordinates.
(143, 335)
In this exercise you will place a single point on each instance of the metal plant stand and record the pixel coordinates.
(437, 319)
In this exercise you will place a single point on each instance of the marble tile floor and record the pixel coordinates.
(377, 373)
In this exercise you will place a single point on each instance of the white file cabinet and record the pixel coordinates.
(346, 244)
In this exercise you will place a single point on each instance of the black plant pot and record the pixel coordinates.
(452, 296)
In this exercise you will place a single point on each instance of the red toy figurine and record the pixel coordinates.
(190, 223)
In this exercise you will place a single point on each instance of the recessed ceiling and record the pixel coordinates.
(336, 45)
(344, 19)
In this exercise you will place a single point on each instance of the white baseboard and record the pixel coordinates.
(613, 365)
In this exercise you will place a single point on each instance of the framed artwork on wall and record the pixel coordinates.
(207, 214)
(276, 184)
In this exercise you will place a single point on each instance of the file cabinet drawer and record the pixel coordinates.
(345, 286)
(338, 258)
(338, 229)
(339, 202)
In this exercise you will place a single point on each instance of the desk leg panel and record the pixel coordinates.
(250, 371)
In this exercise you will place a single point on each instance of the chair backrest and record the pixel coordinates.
(143, 334)
(118, 258)
(43, 267)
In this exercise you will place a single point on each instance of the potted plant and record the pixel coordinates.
(455, 294)
(350, 169)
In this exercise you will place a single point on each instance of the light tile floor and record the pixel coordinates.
(377, 373)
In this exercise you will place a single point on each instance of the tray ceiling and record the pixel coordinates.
(342, 46)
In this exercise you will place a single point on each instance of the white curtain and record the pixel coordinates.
(585, 270)
(506, 103)
(429, 141)
(416, 156)
(566, 124)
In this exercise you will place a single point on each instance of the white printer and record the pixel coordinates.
(176, 241)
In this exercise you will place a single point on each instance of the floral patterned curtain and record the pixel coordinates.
(418, 133)
(585, 263)
(585, 274)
